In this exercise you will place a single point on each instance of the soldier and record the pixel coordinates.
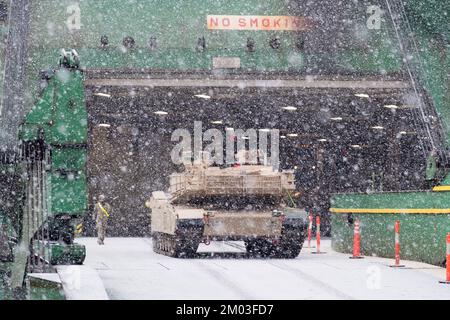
(101, 216)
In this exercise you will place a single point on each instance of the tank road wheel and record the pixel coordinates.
(290, 244)
(182, 245)
(164, 244)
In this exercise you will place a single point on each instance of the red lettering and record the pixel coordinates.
(214, 22)
(296, 23)
(259, 22)
(276, 23)
(242, 22)
(254, 22)
(226, 22)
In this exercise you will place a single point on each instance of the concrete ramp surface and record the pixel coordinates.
(130, 269)
(81, 283)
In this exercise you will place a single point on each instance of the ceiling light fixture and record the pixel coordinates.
(104, 125)
(101, 94)
(322, 140)
(292, 135)
(391, 106)
(362, 95)
(356, 146)
(290, 108)
(161, 113)
(378, 127)
(217, 122)
(264, 130)
(336, 119)
(202, 96)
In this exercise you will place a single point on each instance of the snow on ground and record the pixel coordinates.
(131, 270)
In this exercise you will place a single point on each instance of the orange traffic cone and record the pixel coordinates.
(356, 242)
(447, 281)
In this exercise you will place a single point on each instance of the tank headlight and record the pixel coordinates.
(276, 213)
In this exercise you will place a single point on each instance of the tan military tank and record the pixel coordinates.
(248, 202)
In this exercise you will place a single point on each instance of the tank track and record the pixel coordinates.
(291, 243)
(183, 244)
(288, 246)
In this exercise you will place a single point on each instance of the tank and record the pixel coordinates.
(248, 202)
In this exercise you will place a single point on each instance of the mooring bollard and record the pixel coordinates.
(356, 242)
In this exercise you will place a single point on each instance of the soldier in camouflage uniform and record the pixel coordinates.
(101, 216)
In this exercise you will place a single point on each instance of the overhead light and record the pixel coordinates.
(378, 127)
(264, 130)
(322, 140)
(101, 94)
(104, 125)
(161, 113)
(283, 137)
(217, 122)
(290, 108)
(336, 119)
(229, 129)
(292, 135)
(403, 132)
(202, 96)
(391, 106)
(362, 95)
(356, 146)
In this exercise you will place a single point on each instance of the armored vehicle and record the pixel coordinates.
(249, 202)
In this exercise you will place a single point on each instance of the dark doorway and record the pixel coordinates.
(338, 139)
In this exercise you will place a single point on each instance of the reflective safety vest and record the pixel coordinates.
(103, 209)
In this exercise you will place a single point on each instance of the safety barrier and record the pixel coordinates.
(447, 279)
(318, 237)
(397, 246)
(356, 242)
(310, 225)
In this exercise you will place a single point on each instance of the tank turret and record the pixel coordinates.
(249, 176)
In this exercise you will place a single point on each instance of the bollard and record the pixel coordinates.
(397, 246)
(447, 281)
(310, 225)
(356, 242)
(317, 237)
